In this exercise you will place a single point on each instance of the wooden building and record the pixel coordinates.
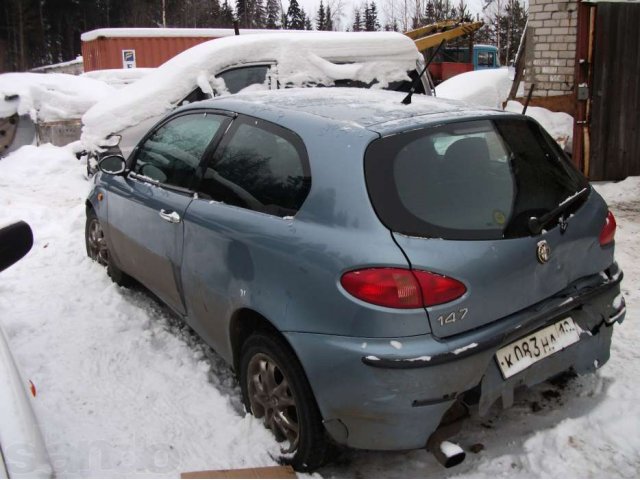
(583, 58)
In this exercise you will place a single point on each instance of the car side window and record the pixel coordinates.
(240, 78)
(196, 95)
(172, 154)
(262, 167)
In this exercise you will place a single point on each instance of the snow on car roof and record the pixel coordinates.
(172, 32)
(119, 77)
(357, 107)
(49, 96)
(302, 59)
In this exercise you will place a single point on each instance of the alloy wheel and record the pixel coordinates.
(97, 243)
(270, 398)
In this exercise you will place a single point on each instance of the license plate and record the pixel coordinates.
(523, 353)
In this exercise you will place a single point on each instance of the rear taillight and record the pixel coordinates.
(437, 289)
(401, 288)
(608, 230)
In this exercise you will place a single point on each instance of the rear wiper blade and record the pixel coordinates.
(537, 224)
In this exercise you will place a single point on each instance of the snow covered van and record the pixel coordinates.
(385, 60)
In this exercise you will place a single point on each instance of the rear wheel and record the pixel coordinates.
(96, 244)
(275, 389)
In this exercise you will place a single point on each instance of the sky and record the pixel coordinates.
(311, 6)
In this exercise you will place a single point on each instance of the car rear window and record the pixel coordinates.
(481, 179)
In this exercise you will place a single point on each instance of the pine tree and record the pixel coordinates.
(226, 15)
(295, 17)
(241, 13)
(251, 13)
(329, 19)
(357, 22)
(321, 19)
(215, 12)
(429, 13)
(371, 23)
(442, 10)
(259, 14)
(273, 14)
(463, 13)
(511, 27)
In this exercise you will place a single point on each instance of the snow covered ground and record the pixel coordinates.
(125, 389)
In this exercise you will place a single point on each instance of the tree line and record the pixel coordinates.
(505, 20)
(42, 32)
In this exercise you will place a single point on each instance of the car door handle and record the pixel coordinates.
(171, 217)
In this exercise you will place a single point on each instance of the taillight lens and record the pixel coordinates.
(437, 289)
(608, 230)
(401, 288)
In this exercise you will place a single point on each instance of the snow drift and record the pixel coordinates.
(488, 88)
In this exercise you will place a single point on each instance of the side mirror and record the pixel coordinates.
(15, 241)
(112, 165)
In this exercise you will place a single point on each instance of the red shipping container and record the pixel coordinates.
(144, 47)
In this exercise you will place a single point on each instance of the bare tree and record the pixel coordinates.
(337, 9)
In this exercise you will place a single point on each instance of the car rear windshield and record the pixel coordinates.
(480, 179)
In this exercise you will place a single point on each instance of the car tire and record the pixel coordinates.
(97, 249)
(275, 389)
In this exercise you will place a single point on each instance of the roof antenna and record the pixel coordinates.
(407, 99)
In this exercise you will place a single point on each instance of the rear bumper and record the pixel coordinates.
(374, 395)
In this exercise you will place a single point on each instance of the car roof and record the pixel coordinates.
(376, 110)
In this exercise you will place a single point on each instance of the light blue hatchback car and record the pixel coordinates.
(368, 268)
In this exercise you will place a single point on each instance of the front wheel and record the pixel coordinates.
(96, 244)
(275, 389)
(95, 240)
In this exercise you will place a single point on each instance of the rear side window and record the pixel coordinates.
(240, 78)
(261, 167)
(468, 180)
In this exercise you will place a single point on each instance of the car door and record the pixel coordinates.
(235, 230)
(146, 207)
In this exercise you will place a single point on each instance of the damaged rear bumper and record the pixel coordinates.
(374, 395)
